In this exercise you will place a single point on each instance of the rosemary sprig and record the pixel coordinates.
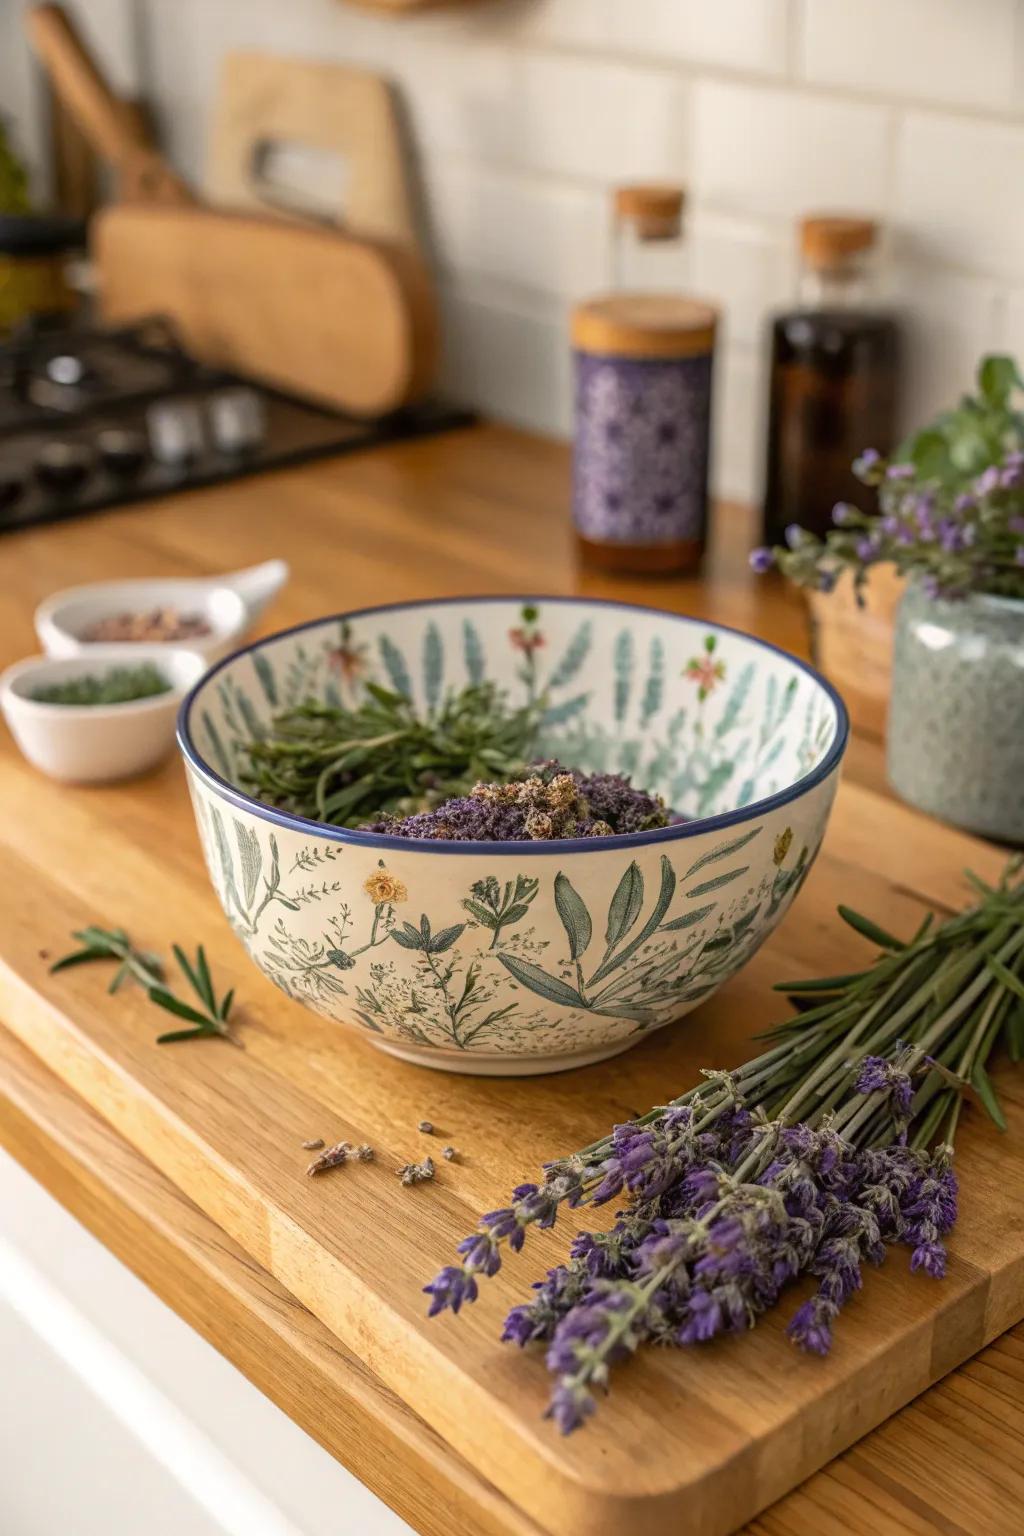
(211, 1019)
(113, 944)
(349, 766)
(208, 1021)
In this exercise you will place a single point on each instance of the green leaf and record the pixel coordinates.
(722, 851)
(1003, 974)
(625, 905)
(689, 919)
(165, 999)
(869, 930)
(481, 913)
(820, 983)
(575, 917)
(551, 987)
(997, 377)
(1015, 1034)
(987, 1094)
(184, 1034)
(225, 1007)
(706, 886)
(81, 957)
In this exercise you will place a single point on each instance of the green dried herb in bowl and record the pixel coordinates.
(119, 685)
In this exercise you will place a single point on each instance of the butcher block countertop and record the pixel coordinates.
(481, 510)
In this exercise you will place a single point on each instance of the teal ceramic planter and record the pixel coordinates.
(956, 720)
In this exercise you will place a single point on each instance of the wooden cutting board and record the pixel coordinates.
(349, 322)
(693, 1441)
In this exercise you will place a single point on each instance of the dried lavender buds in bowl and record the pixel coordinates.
(543, 802)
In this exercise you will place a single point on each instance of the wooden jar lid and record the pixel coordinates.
(654, 210)
(827, 239)
(644, 325)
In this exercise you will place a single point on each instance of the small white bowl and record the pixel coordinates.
(96, 743)
(229, 604)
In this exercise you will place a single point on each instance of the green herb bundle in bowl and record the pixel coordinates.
(486, 955)
(107, 714)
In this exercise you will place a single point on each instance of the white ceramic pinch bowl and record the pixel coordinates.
(96, 743)
(229, 604)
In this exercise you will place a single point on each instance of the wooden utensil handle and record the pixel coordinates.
(107, 122)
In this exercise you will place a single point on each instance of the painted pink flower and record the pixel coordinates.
(526, 640)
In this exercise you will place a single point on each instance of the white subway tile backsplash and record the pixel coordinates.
(941, 50)
(737, 34)
(549, 237)
(523, 113)
(511, 361)
(958, 192)
(948, 322)
(748, 269)
(774, 152)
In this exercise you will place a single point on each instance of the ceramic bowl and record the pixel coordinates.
(512, 958)
(230, 605)
(96, 743)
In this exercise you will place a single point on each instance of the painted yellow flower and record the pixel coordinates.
(782, 845)
(382, 886)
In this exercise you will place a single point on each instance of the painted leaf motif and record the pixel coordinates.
(481, 913)
(265, 673)
(473, 652)
(735, 702)
(722, 851)
(394, 665)
(654, 688)
(515, 914)
(623, 663)
(433, 666)
(661, 906)
(551, 987)
(220, 757)
(574, 656)
(625, 905)
(575, 917)
(558, 714)
(445, 939)
(717, 882)
(250, 858)
(689, 919)
(408, 936)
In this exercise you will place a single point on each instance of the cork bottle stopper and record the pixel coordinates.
(644, 325)
(654, 210)
(826, 240)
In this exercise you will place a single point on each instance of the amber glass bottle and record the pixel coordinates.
(642, 358)
(834, 378)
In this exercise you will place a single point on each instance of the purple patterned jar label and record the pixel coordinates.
(640, 456)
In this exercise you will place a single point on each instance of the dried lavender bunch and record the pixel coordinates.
(548, 800)
(810, 1159)
(347, 766)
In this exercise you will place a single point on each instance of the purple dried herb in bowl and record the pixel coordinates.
(548, 801)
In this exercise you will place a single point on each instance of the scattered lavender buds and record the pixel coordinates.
(426, 1127)
(331, 1157)
(417, 1173)
(809, 1160)
(314, 1145)
(547, 801)
(449, 1154)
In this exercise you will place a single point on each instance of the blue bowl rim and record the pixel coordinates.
(677, 832)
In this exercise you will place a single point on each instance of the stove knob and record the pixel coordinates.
(237, 420)
(11, 488)
(175, 431)
(63, 466)
(65, 368)
(122, 449)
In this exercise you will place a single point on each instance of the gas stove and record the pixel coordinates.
(93, 417)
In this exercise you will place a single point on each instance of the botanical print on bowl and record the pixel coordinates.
(526, 957)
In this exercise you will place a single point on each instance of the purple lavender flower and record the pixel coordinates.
(900, 472)
(450, 1288)
(1016, 523)
(811, 1325)
(965, 502)
(842, 513)
(931, 1257)
(879, 1075)
(1010, 477)
(794, 536)
(761, 560)
(987, 481)
(1018, 555)
(867, 548)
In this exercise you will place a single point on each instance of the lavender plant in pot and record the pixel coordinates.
(950, 519)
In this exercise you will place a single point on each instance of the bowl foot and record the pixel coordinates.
(500, 1066)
